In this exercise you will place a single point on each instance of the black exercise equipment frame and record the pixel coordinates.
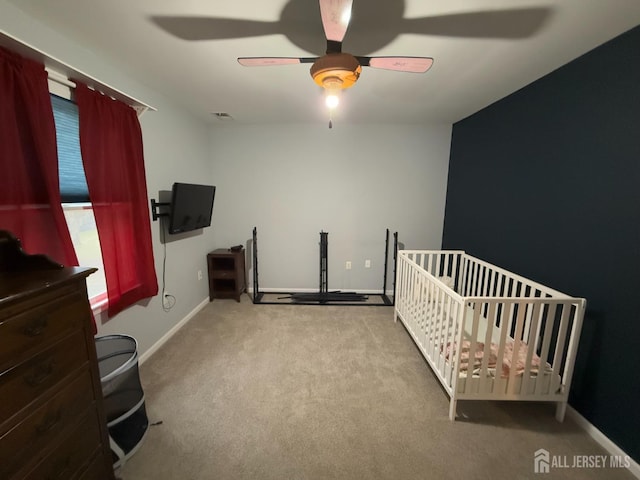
(323, 296)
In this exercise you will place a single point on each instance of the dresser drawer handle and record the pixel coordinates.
(36, 327)
(49, 422)
(40, 373)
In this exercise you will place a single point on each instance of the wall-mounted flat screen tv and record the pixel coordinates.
(191, 207)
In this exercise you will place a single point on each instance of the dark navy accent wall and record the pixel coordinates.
(546, 183)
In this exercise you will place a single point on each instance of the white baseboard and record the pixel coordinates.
(287, 290)
(171, 333)
(602, 439)
(315, 290)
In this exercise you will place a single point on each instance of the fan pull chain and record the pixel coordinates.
(330, 123)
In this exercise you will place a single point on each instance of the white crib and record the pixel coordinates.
(487, 333)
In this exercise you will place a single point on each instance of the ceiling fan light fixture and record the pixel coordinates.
(336, 66)
(332, 87)
(332, 100)
(332, 83)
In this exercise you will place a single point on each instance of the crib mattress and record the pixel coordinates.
(550, 383)
(497, 378)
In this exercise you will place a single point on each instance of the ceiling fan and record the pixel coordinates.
(375, 25)
(337, 70)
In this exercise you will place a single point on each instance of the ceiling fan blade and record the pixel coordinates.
(400, 64)
(335, 20)
(214, 28)
(270, 61)
(515, 23)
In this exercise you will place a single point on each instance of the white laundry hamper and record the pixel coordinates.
(123, 395)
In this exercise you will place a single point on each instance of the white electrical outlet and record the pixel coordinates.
(347, 265)
(367, 263)
(199, 274)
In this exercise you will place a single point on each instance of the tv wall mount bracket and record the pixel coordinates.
(155, 214)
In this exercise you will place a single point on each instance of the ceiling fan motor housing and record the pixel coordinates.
(336, 70)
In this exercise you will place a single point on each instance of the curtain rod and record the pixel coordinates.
(59, 78)
(60, 72)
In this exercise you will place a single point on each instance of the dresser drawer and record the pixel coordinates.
(25, 383)
(71, 455)
(24, 442)
(99, 469)
(39, 326)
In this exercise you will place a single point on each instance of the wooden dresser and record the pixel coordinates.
(52, 422)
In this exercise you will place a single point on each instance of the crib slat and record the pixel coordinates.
(539, 326)
(418, 307)
(471, 385)
(560, 342)
(474, 278)
(533, 319)
(448, 266)
(437, 324)
(486, 282)
(572, 348)
(454, 270)
(474, 289)
(484, 374)
(492, 290)
(465, 273)
(446, 339)
(527, 324)
(516, 348)
(506, 314)
(433, 315)
(441, 319)
(546, 340)
(455, 333)
(501, 285)
(510, 318)
(430, 313)
(423, 311)
(411, 308)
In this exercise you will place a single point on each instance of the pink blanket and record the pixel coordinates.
(507, 357)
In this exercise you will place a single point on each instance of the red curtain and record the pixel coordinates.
(30, 205)
(112, 154)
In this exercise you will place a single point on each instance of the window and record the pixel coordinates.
(75, 196)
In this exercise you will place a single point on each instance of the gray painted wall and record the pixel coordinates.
(353, 181)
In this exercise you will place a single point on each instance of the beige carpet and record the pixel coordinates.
(327, 392)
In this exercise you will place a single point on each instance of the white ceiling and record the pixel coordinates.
(472, 68)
